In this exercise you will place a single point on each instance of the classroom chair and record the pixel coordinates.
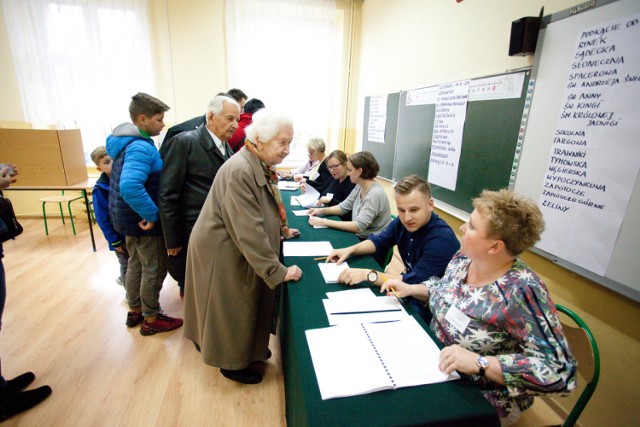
(59, 200)
(565, 411)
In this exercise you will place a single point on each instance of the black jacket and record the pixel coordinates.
(190, 163)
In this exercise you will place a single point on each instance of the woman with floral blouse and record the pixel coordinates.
(493, 313)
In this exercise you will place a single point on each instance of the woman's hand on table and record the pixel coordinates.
(457, 358)
(293, 274)
(315, 211)
(402, 289)
(314, 220)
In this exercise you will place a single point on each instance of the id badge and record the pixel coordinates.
(457, 318)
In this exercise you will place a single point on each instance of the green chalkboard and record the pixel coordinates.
(491, 141)
(384, 153)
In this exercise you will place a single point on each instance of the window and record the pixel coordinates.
(79, 63)
(290, 55)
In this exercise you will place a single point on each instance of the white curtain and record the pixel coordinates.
(284, 52)
(78, 62)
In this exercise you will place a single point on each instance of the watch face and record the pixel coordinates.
(372, 276)
(482, 362)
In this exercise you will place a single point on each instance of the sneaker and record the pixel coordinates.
(20, 401)
(20, 382)
(163, 323)
(134, 319)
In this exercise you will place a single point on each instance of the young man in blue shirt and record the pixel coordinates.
(425, 242)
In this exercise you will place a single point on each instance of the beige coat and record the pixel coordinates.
(233, 267)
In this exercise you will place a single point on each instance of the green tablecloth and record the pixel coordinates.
(453, 403)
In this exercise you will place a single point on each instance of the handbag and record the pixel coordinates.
(9, 225)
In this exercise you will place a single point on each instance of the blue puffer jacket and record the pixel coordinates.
(101, 209)
(133, 188)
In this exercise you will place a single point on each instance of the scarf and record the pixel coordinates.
(272, 178)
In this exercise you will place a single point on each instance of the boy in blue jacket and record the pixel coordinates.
(133, 194)
(100, 193)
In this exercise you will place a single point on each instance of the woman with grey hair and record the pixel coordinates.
(234, 262)
(316, 150)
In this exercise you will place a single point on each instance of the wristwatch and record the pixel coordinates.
(372, 276)
(483, 364)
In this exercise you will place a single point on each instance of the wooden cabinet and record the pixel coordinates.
(45, 157)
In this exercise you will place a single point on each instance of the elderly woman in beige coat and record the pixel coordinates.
(233, 261)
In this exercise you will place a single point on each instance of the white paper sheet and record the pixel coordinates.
(288, 185)
(316, 249)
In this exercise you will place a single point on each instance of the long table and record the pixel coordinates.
(453, 403)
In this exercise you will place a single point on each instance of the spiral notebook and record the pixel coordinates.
(363, 358)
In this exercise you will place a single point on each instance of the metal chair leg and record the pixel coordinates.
(44, 215)
(61, 213)
(73, 226)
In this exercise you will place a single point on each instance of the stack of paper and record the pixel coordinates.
(331, 271)
(362, 306)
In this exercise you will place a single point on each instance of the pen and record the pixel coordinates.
(394, 292)
(322, 258)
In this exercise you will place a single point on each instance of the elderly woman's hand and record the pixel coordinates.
(457, 358)
(293, 232)
(293, 274)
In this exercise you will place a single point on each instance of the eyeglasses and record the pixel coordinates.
(332, 167)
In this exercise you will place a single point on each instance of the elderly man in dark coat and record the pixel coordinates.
(191, 161)
(233, 261)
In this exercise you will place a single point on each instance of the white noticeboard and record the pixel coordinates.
(581, 157)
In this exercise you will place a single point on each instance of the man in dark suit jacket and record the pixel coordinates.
(190, 162)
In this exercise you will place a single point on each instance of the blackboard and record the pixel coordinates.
(384, 153)
(554, 55)
(489, 144)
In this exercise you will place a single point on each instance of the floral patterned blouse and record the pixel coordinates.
(512, 319)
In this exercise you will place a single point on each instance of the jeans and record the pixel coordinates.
(146, 271)
(123, 259)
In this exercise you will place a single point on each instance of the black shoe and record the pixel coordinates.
(244, 376)
(20, 382)
(20, 401)
(268, 355)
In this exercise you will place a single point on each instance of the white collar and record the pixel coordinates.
(216, 140)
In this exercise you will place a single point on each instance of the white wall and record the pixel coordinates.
(409, 44)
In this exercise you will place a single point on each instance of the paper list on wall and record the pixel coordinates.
(377, 118)
(448, 125)
(595, 156)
